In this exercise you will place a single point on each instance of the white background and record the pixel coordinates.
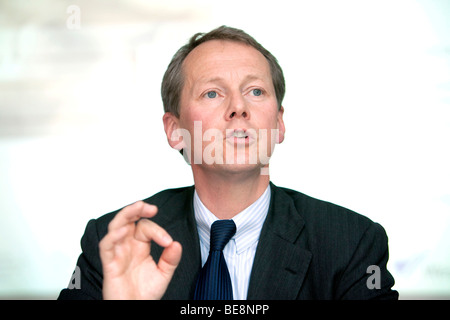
(367, 112)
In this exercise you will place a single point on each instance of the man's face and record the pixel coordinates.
(229, 107)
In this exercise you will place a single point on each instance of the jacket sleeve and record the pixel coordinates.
(366, 275)
(86, 282)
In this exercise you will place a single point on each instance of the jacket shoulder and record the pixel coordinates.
(160, 199)
(317, 211)
(343, 244)
(327, 225)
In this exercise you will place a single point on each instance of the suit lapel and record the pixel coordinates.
(281, 260)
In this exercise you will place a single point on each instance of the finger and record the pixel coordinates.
(170, 258)
(108, 243)
(132, 213)
(147, 230)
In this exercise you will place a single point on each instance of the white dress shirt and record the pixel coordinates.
(240, 250)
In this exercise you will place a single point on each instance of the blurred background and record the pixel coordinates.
(81, 134)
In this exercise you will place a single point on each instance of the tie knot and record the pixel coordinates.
(221, 233)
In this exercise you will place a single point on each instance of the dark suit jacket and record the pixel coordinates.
(308, 249)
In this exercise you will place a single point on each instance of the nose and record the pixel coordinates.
(236, 114)
(237, 108)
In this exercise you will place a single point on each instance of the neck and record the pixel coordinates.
(225, 195)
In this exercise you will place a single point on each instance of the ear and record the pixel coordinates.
(171, 127)
(280, 126)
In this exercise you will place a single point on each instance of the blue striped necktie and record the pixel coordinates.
(214, 282)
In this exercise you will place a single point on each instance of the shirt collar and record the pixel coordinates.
(248, 222)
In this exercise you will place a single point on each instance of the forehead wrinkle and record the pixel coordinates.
(203, 64)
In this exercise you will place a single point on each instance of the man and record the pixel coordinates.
(222, 95)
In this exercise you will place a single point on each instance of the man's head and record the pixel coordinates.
(223, 106)
(173, 80)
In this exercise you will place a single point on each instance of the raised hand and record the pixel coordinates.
(129, 271)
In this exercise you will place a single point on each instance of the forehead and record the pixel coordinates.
(214, 57)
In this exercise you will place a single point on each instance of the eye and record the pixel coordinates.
(257, 92)
(211, 94)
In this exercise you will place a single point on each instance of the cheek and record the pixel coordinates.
(197, 123)
(192, 112)
(265, 118)
(267, 122)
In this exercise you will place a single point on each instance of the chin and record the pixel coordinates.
(239, 168)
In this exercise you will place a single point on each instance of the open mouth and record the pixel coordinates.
(239, 135)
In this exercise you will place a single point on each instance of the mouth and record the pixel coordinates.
(239, 135)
